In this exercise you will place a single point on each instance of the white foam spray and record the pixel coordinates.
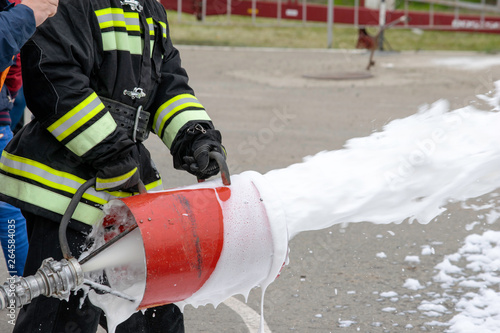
(127, 251)
(410, 170)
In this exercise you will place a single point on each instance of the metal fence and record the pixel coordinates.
(461, 16)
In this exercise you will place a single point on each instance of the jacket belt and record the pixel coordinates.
(133, 120)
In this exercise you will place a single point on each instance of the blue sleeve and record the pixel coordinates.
(17, 25)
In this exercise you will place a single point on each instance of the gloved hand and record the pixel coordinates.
(118, 174)
(191, 151)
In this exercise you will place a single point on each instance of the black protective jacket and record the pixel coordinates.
(89, 51)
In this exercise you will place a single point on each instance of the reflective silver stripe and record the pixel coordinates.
(93, 135)
(168, 109)
(76, 117)
(120, 40)
(163, 28)
(105, 183)
(155, 186)
(133, 22)
(48, 176)
(180, 120)
(52, 201)
(60, 180)
(47, 199)
(110, 17)
(151, 26)
(115, 17)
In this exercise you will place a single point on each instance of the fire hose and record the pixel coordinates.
(59, 278)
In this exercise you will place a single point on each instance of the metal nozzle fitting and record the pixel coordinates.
(53, 279)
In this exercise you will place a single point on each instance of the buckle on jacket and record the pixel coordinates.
(134, 121)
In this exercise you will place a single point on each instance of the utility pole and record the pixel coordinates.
(381, 23)
(330, 23)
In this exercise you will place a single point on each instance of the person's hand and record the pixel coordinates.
(200, 164)
(196, 145)
(42, 9)
(118, 174)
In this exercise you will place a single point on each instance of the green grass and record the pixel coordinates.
(400, 4)
(241, 31)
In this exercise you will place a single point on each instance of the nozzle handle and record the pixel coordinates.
(224, 170)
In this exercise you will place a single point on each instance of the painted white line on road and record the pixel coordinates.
(249, 316)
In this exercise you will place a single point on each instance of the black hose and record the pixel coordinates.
(224, 170)
(63, 240)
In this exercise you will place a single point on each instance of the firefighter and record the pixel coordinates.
(98, 77)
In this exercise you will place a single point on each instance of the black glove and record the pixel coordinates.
(191, 149)
(118, 174)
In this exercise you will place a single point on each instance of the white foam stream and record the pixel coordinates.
(128, 251)
(411, 169)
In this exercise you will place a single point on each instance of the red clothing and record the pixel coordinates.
(14, 80)
(13, 83)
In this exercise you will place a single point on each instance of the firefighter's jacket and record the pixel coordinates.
(92, 49)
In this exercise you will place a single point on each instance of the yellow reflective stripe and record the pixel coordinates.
(151, 26)
(104, 183)
(170, 107)
(108, 11)
(108, 24)
(121, 41)
(47, 176)
(180, 120)
(76, 117)
(132, 20)
(110, 17)
(60, 180)
(163, 28)
(93, 135)
(119, 19)
(155, 186)
(48, 200)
